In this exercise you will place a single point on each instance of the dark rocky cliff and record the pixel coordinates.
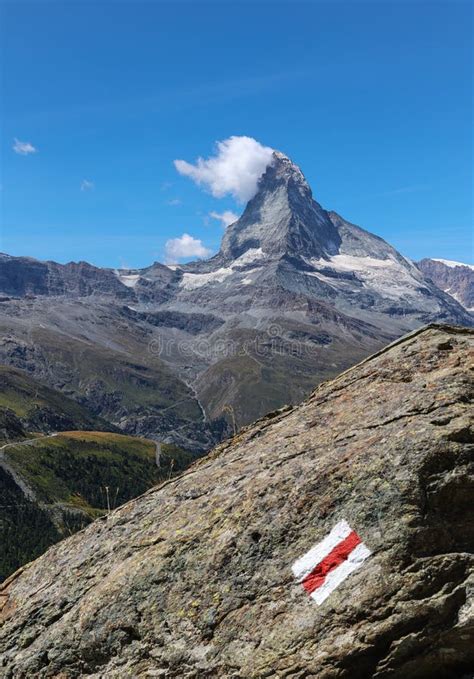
(194, 578)
(455, 278)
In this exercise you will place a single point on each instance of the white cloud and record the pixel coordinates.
(227, 217)
(185, 247)
(235, 169)
(86, 185)
(173, 202)
(24, 148)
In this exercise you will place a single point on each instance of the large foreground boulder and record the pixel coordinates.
(194, 578)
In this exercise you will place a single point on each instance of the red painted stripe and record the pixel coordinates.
(339, 554)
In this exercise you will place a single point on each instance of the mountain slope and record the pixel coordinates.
(54, 485)
(194, 578)
(295, 295)
(454, 278)
(98, 355)
(40, 408)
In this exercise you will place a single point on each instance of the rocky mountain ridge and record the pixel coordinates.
(454, 278)
(41, 409)
(194, 578)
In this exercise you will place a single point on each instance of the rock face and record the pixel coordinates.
(454, 278)
(194, 579)
(282, 219)
(295, 295)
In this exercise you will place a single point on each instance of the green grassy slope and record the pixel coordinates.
(75, 467)
(40, 408)
(74, 477)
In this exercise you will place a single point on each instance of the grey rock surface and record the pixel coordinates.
(193, 579)
(454, 278)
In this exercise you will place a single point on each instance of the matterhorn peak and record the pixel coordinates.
(282, 218)
(284, 168)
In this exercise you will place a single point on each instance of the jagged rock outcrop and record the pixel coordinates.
(454, 278)
(194, 579)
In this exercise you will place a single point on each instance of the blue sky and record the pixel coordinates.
(371, 99)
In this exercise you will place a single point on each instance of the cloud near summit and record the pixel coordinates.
(235, 169)
(227, 217)
(185, 247)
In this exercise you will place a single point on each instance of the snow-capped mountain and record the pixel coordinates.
(455, 278)
(295, 295)
(285, 237)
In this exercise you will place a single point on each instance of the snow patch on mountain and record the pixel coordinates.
(248, 280)
(130, 280)
(452, 264)
(251, 255)
(388, 277)
(352, 263)
(191, 281)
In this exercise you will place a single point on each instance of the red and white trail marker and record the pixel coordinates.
(330, 561)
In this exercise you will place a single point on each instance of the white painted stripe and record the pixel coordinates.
(355, 559)
(308, 561)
